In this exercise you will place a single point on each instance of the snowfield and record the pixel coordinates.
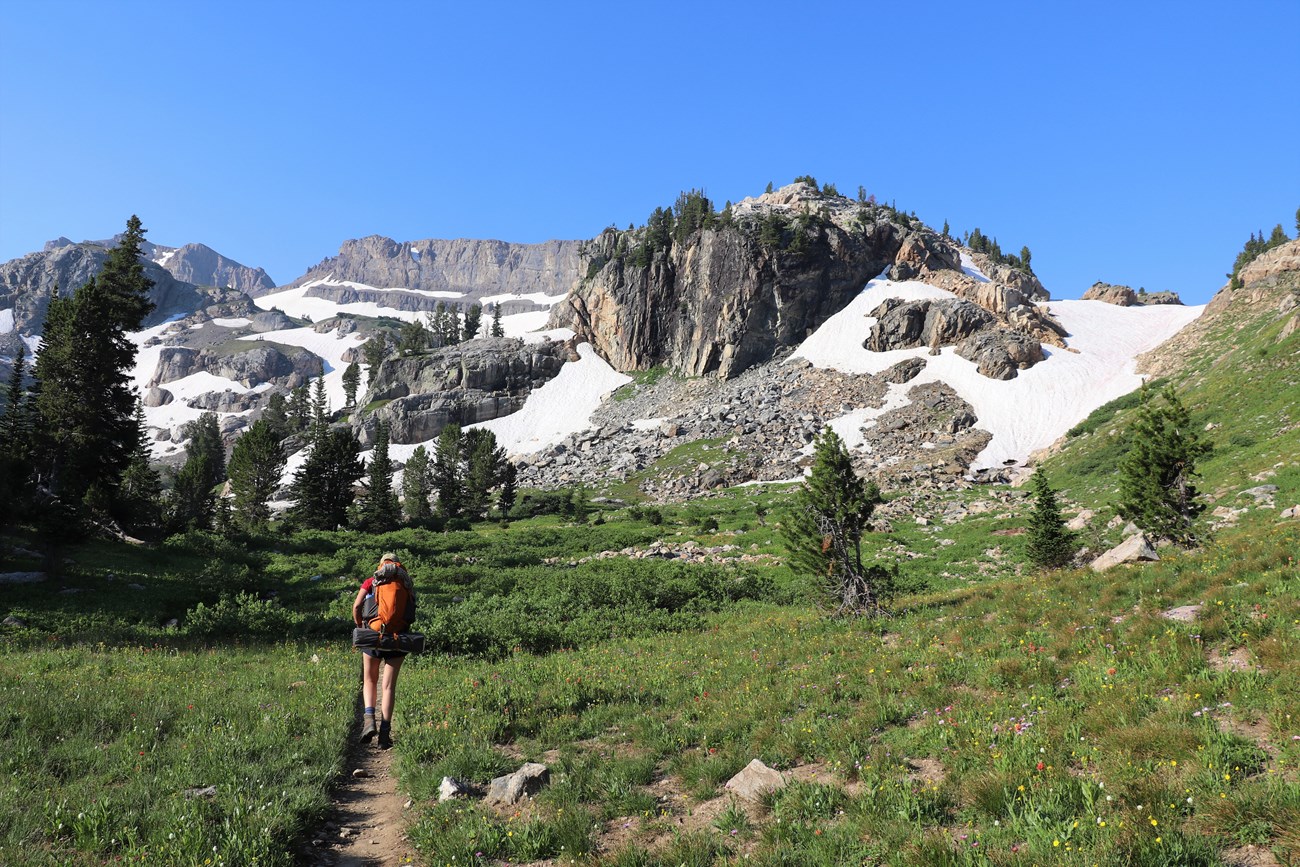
(1024, 414)
(6, 321)
(296, 303)
(330, 346)
(559, 408)
(539, 298)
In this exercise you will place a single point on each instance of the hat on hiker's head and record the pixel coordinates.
(389, 556)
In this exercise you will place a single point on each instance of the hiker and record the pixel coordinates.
(365, 612)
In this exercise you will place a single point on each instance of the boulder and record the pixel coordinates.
(907, 324)
(1293, 512)
(1132, 550)
(1080, 521)
(754, 781)
(270, 320)
(1000, 353)
(1121, 296)
(451, 788)
(905, 371)
(509, 790)
(21, 577)
(14, 621)
(156, 396)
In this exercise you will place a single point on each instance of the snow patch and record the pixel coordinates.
(330, 346)
(237, 322)
(561, 407)
(164, 258)
(539, 298)
(971, 269)
(6, 321)
(295, 302)
(1035, 408)
(648, 423)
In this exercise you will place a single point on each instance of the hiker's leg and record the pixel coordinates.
(390, 686)
(369, 679)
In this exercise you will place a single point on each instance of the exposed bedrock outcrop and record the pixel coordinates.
(472, 267)
(998, 351)
(468, 383)
(259, 362)
(726, 297)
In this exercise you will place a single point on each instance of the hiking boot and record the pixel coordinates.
(385, 736)
(368, 728)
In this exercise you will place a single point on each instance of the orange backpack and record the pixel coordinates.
(390, 607)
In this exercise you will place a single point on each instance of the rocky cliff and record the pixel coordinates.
(467, 383)
(474, 268)
(193, 263)
(733, 295)
(28, 283)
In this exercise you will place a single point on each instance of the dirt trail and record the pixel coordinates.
(367, 822)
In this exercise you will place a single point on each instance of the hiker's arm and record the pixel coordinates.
(356, 605)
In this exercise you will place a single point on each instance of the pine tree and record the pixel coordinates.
(483, 462)
(1155, 475)
(299, 409)
(256, 466)
(473, 321)
(204, 435)
(415, 487)
(448, 478)
(320, 409)
(497, 330)
(1050, 545)
(190, 503)
(137, 507)
(413, 338)
(86, 402)
(276, 416)
(509, 488)
(375, 350)
(379, 511)
(824, 530)
(351, 382)
(15, 442)
(322, 488)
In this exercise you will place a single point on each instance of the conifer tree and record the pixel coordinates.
(276, 416)
(483, 461)
(497, 330)
(299, 409)
(322, 488)
(190, 502)
(256, 465)
(379, 510)
(1155, 475)
(824, 530)
(137, 507)
(320, 409)
(86, 402)
(448, 480)
(351, 382)
(509, 488)
(415, 487)
(15, 441)
(204, 435)
(375, 351)
(473, 320)
(412, 338)
(1050, 545)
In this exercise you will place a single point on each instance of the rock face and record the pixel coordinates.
(203, 266)
(728, 297)
(472, 267)
(253, 363)
(1121, 296)
(466, 383)
(28, 283)
(998, 351)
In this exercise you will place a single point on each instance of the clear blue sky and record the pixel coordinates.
(1135, 143)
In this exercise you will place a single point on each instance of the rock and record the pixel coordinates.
(172, 624)
(904, 324)
(1001, 353)
(21, 577)
(14, 621)
(358, 773)
(1121, 296)
(201, 792)
(135, 586)
(1183, 613)
(270, 320)
(450, 787)
(1260, 492)
(1131, 550)
(1293, 512)
(156, 396)
(509, 790)
(904, 371)
(1079, 521)
(754, 781)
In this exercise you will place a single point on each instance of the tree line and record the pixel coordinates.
(75, 457)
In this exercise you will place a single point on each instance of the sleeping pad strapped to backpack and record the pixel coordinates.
(388, 612)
